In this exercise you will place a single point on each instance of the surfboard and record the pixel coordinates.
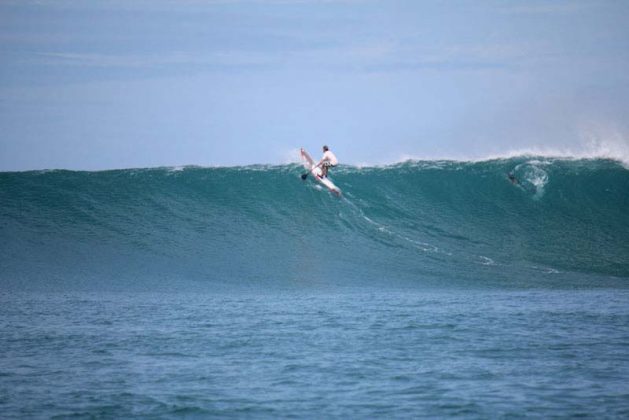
(312, 167)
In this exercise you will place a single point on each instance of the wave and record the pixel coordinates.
(516, 222)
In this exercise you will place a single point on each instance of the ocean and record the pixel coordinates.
(428, 289)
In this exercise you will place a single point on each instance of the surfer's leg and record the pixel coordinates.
(325, 167)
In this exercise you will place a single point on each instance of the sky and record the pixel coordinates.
(94, 85)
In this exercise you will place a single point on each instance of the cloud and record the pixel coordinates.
(143, 5)
(393, 57)
(376, 56)
(225, 58)
(546, 8)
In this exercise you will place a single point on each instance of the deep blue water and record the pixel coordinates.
(430, 289)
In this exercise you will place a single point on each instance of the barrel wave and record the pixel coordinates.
(553, 223)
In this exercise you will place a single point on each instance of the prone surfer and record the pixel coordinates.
(328, 161)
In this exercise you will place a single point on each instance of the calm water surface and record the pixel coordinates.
(349, 353)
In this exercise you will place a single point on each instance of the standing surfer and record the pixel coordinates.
(328, 161)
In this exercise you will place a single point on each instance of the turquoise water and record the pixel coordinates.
(431, 288)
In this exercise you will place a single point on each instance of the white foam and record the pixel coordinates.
(594, 141)
(595, 150)
(486, 260)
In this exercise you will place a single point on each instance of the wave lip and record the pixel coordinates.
(594, 144)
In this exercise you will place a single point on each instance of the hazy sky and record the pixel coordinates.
(114, 84)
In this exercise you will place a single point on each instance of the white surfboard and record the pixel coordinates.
(312, 167)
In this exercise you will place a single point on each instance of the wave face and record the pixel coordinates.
(558, 223)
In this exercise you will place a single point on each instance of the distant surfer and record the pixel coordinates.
(513, 179)
(328, 161)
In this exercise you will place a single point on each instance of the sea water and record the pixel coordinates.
(429, 289)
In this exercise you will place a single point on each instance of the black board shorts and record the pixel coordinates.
(328, 164)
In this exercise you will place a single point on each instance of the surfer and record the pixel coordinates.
(512, 178)
(328, 161)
